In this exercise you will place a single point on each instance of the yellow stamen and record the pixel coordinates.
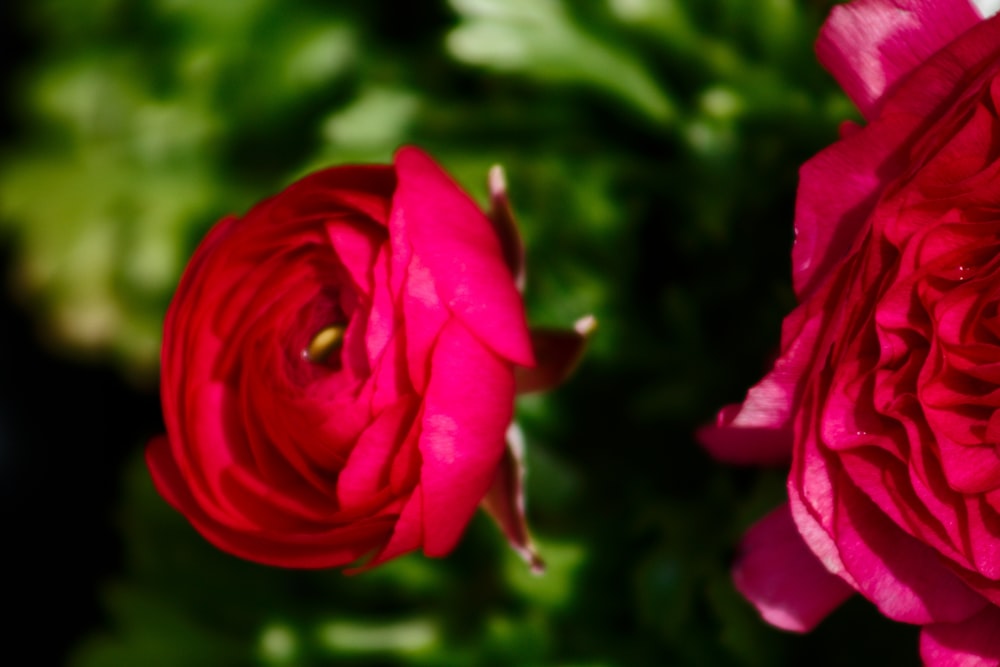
(324, 343)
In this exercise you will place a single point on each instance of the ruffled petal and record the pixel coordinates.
(905, 578)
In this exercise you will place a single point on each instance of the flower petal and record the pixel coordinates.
(870, 45)
(904, 577)
(973, 642)
(837, 190)
(460, 248)
(467, 408)
(333, 547)
(781, 577)
(356, 245)
(366, 472)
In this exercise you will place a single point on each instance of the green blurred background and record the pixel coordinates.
(651, 148)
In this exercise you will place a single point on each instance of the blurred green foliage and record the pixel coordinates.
(651, 148)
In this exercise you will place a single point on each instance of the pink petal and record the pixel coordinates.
(905, 578)
(838, 187)
(424, 316)
(974, 642)
(759, 431)
(811, 502)
(467, 408)
(505, 501)
(460, 248)
(837, 190)
(871, 45)
(781, 577)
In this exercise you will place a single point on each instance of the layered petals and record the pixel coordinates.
(887, 388)
(338, 370)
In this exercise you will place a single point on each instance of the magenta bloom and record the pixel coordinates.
(886, 391)
(339, 369)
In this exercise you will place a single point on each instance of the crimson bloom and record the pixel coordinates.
(339, 369)
(886, 393)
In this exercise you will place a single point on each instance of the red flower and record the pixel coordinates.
(887, 390)
(339, 369)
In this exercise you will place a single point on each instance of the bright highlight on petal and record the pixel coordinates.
(871, 45)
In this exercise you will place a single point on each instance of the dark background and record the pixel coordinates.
(652, 159)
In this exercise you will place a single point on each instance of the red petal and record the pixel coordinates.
(467, 408)
(366, 471)
(333, 547)
(356, 246)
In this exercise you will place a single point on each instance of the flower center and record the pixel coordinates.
(324, 343)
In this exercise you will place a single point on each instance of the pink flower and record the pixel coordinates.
(886, 390)
(339, 369)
